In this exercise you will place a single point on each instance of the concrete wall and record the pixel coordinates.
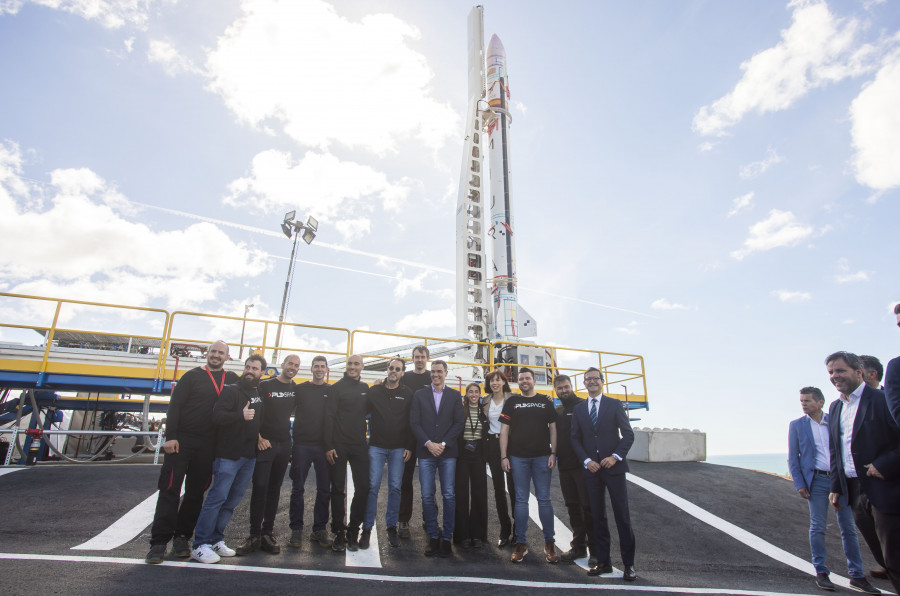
(668, 444)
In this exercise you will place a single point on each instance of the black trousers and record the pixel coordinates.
(358, 458)
(501, 488)
(471, 496)
(862, 515)
(176, 516)
(880, 530)
(574, 490)
(597, 484)
(268, 474)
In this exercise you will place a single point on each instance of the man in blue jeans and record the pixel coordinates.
(809, 460)
(237, 416)
(436, 419)
(528, 449)
(390, 440)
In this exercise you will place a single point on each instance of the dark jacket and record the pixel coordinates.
(389, 422)
(612, 435)
(189, 417)
(236, 437)
(309, 415)
(345, 413)
(442, 426)
(566, 458)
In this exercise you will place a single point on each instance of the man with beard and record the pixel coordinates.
(272, 456)
(189, 453)
(414, 379)
(571, 476)
(345, 443)
(237, 419)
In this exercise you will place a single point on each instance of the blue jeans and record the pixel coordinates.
(524, 470)
(377, 458)
(446, 467)
(818, 518)
(230, 480)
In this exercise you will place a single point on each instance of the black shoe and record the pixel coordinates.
(466, 544)
(268, 544)
(434, 546)
(477, 543)
(365, 539)
(393, 537)
(248, 546)
(340, 542)
(322, 537)
(862, 584)
(296, 540)
(592, 561)
(180, 547)
(600, 569)
(574, 553)
(504, 541)
(446, 549)
(630, 574)
(352, 540)
(823, 582)
(156, 555)
(403, 529)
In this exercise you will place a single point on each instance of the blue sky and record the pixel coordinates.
(713, 185)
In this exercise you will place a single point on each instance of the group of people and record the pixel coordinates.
(849, 459)
(233, 431)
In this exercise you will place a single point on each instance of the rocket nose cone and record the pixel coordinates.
(495, 47)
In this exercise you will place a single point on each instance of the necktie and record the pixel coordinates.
(594, 412)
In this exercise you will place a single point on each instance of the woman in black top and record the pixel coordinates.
(497, 389)
(470, 528)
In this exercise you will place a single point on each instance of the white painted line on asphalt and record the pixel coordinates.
(563, 533)
(736, 532)
(370, 557)
(453, 579)
(9, 470)
(126, 528)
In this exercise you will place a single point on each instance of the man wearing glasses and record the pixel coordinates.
(390, 441)
(602, 436)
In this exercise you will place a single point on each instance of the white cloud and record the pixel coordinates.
(663, 304)
(789, 296)
(331, 189)
(779, 229)
(630, 329)
(327, 79)
(353, 228)
(112, 14)
(876, 128)
(845, 275)
(165, 54)
(818, 48)
(740, 203)
(427, 320)
(752, 170)
(92, 251)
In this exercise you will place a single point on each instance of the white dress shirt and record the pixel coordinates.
(820, 436)
(848, 416)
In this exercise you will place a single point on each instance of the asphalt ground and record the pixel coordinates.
(50, 509)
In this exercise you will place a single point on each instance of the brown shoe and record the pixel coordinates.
(879, 573)
(519, 553)
(550, 552)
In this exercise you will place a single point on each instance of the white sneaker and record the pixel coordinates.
(205, 554)
(221, 549)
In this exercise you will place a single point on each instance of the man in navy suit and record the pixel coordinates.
(602, 436)
(809, 459)
(865, 457)
(436, 418)
(892, 379)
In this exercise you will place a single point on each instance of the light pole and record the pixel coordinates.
(247, 308)
(297, 230)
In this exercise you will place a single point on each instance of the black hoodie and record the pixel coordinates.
(345, 413)
(236, 437)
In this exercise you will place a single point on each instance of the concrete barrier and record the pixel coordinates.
(668, 444)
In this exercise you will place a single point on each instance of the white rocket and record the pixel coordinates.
(503, 318)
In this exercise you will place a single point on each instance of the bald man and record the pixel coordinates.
(189, 454)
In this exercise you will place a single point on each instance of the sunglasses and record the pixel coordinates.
(395, 368)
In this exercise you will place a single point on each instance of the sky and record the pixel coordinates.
(711, 185)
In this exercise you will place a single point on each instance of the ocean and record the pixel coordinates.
(776, 463)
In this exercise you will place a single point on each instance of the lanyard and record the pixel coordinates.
(218, 388)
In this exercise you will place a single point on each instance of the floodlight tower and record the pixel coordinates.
(293, 229)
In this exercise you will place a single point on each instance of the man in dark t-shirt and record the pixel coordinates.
(528, 449)
(415, 379)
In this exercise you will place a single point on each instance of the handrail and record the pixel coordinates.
(424, 338)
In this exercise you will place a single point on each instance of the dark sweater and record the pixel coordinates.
(278, 405)
(309, 417)
(566, 458)
(389, 424)
(345, 413)
(236, 437)
(189, 418)
(416, 381)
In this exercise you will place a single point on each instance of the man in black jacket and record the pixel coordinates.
(414, 379)
(189, 453)
(237, 419)
(345, 442)
(390, 440)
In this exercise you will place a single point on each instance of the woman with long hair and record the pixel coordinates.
(470, 529)
(497, 391)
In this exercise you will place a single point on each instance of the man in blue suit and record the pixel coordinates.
(436, 418)
(892, 379)
(809, 459)
(865, 457)
(602, 436)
